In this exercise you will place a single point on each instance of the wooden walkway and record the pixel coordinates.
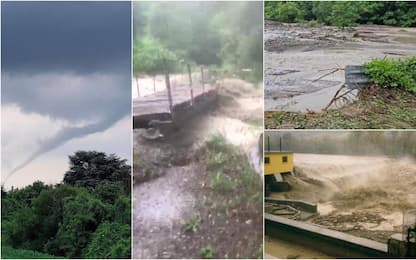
(158, 102)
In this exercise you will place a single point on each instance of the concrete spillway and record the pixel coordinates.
(329, 242)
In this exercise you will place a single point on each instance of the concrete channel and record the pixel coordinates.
(330, 242)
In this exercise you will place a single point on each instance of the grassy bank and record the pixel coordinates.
(377, 108)
(11, 253)
(231, 193)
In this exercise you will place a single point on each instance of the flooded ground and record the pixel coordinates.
(169, 181)
(363, 196)
(296, 56)
(279, 248)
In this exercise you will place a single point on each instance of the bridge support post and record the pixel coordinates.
(168, 87)
(190, 84)
(202, 79)
(137, 86)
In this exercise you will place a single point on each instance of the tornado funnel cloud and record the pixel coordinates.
(62, 137)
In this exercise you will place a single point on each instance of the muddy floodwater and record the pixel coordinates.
(279, 248)
(359, 195)
(296, 55)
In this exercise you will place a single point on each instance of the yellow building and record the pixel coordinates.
(278, 162)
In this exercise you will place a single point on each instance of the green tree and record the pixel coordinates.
(151, 58)
(81, 217)
(89, 168)
(289, 12)
(344, 14)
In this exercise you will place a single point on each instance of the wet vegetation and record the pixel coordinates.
(231, 197)
(393, 73)
(376, 108)
(343, 13)
(220, 35)
(85, 216)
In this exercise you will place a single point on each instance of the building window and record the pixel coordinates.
(284, 159)
(266, 160)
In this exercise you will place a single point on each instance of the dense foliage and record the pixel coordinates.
(344, 13)
(72, 219)
(223, 35)
(11, 253)
(400, 73)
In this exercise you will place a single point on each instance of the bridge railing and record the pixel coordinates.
(195, 80)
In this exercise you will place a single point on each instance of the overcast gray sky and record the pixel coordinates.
(65, 85)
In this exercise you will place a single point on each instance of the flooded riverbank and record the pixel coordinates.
(296, 56)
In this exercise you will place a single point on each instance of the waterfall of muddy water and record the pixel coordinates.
(238, 118)
(295, 56)
(365, 196)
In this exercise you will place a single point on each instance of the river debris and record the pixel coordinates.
(355, 78)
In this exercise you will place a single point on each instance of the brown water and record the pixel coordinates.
(295, 56)
(278, 248)
(365, 196)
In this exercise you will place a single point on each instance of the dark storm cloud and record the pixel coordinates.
(68, 61)
(79, 36)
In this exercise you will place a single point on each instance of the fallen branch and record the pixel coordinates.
(329, 73)
(342, 96)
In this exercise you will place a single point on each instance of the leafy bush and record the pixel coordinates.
(81, 217)
(393, 73)
(285, 12)
(110, 240)
(207, 252)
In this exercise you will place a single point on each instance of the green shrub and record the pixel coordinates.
(110, 240)
(192, 225)
(221, 183)
(207, 252)
(217, 143)
(288, 12)
(390, 73)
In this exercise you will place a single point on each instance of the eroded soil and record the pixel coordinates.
(173, 186)
(377, 108)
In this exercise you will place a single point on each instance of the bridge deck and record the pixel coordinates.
(158, 102)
